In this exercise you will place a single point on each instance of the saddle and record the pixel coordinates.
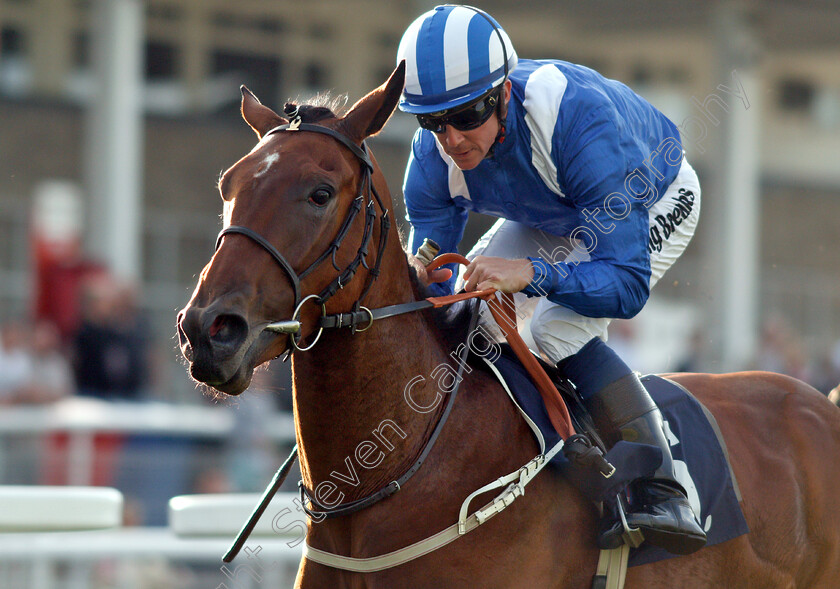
(696, 445)
(561, 413)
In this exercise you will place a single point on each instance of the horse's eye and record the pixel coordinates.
(320, 197)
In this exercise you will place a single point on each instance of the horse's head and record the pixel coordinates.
(299, 219)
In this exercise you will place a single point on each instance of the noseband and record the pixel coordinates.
(367, 197)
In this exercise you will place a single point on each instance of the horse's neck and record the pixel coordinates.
(351, 404)
(357, 397)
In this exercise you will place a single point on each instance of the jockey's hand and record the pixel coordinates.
(500, 273)
(439, 275)
(428, 277)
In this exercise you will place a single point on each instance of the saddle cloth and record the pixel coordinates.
(696, 446)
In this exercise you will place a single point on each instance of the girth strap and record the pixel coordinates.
(514, 486)
(611, 572)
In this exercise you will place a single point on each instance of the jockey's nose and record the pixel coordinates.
(451, 136)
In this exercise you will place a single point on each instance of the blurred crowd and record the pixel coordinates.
(99, 347)
(781, 349)
(106, 354)
(34, 367)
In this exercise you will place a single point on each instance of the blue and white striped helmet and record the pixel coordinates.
(453, 54)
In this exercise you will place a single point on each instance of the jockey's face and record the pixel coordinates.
(469, 148)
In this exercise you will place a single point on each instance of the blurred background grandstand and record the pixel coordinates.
(117, 117)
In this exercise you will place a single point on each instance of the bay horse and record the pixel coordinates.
(290, 233)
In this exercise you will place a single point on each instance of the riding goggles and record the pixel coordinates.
(471, 116)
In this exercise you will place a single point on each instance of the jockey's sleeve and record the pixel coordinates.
(613, 228)
(430, 210)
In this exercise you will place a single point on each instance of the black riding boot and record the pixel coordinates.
(624, 410)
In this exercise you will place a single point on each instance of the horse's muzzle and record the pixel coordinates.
(212, 340)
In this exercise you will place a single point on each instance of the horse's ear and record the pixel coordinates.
(261, 118)
(369, 115)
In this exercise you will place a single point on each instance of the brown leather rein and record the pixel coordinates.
(504, 313)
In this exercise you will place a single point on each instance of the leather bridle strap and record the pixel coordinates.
(297, 126)
(366, 316)
(278, 257)
(362, 155)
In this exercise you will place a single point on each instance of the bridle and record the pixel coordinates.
(368, 198)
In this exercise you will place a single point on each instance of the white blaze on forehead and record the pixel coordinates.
(266, 164)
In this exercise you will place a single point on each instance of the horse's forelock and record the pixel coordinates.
(319, 107)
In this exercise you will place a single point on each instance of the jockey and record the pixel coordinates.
(595, 202)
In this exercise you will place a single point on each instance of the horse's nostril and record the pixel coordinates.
(206, 336)
(217, 326)
(184, 343)
(188, 330)
(228, 329)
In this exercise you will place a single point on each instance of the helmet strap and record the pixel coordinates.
(501, 115)
(501, 105)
